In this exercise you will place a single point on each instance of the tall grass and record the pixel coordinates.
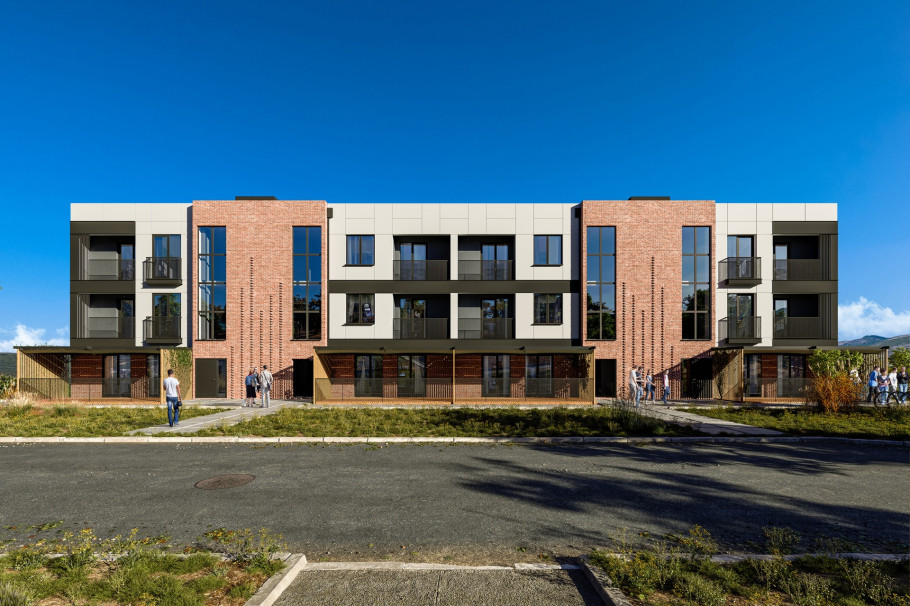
(29, 420)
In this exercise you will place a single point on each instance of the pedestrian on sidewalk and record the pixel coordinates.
(883, 387)
(172, 396)
(649, 385)
(251, 385)
(666, 386)
(641, 383)
(903, 379)
(873, 385)
(633, 385)
(892, 382)
(265, 386)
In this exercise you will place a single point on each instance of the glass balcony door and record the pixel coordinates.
(494, 262)
(496, 373)
(412, 376)
(781, 253)
(117, 371)
(751, 375)
(412, 315)
(127, 261)
(413, 261)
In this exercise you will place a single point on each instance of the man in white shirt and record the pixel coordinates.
(172, 395)
(265, 386)
(633, 385)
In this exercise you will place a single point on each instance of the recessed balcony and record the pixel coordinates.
(161, 330)
(417, 269)
(420, 328)
(797, 328)
(797, 269)
(486, 328)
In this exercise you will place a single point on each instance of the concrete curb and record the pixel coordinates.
(272, 589)
(603, 586)
(407, 566)
(468, 440)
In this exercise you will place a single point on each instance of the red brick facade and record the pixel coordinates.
(648, 283)
(259, 306)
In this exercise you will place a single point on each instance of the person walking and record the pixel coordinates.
(641, 383)
(666, 386)
(172, 396)
(873, 385)
(883, 387)
(265, 386)
(892, 383)
(633, 385)
(251, 385)
(903, 378)
(649, 385)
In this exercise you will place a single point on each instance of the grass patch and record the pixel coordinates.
(679, 571)
(452, 422)
(890, 423)
(76, 421)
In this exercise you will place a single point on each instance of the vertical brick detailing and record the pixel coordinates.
(644, 252)
(259, 275)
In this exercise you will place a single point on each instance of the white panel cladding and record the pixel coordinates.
(86, 212)
(524, 315)
(385, 312)
(337, 312)
(524, 257)
(383, 256)
(788, 212)
(821, 212)
(337, 252)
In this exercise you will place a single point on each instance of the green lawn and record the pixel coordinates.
(883, 423)
(452, 422)
(76, 421)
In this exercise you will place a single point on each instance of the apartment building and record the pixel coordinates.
(444, 302)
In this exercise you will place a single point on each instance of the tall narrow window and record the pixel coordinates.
(696, 283)
(547, 250)
(496, 376)
(601, 283)
(165, 315)
(539, 376)
(212, 283)
(166, 257)
(308, 283)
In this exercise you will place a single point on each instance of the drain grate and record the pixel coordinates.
(231, 480)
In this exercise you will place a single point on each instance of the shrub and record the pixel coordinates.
(780, 541)
(832, 362)
(700, 590)
(699, 544)
(808, 590)
(11, 595)
(7, 386)
(835, 393)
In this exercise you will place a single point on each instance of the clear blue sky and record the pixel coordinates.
(453, 102)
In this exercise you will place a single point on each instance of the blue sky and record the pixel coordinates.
(453, 102)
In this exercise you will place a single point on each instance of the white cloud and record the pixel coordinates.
(865, 317)
(24, 335)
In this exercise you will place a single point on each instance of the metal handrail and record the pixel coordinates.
(161, 268)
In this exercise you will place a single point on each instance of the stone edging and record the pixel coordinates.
(272, 589)
(502, 440)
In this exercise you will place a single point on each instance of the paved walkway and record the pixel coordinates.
(419, 585)
(705, 424)
(237, 414)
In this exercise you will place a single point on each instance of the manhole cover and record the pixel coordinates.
(231, 480)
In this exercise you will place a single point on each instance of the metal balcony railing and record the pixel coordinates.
(784, 388)
(797, 328)
(740, 269)
(111, 269)
(797, 269)
(735, 330)
(157, 270)
(470, 389)
(161, 329)
(420, 270)
(111, 328)
(420, 328)
(485, 270)
(485, 328)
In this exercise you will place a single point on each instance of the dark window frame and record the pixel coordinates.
(363, 321)
(547, 250)
(698, 316)
(211, 314)
(597, 314)
(170, 253)
(306, 320)
(359, 261)
(546, 321)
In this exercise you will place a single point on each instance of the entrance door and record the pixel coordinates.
(303, 378)
(412, 376)
(604, 378)
(211, 378)
(496, 376)
(116, 383)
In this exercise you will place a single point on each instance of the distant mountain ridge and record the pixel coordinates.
(877, 341)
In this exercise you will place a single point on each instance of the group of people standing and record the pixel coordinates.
(642, 385)
(258, 382)
(882, 385)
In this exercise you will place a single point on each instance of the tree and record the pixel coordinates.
(833, 362)
(900, 356)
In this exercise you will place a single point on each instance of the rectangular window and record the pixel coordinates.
(212, 284)
(601, 283)
(539, 376)
(360, 250)
(412, 376)
(548, 309)
(307, 283)
(496, 376)
(368, 376)
(360, 309)
(696, 283)
(547, 250)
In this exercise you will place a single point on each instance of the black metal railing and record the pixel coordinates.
(111, 269)
(744, 269)
(161, 328)
(747, 328)
(420, 270)
(797, 269)
(420, 328)
(465, 390)
(111, 328)
(486, 328)
(788, 388)
(797, 328)
(485, 270)
(161, 269)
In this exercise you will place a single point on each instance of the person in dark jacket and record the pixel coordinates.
(903, 379)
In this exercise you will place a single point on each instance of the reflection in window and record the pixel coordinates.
(696, 282)
(547, 250)
(360, 309)
(601, 283)
(548, 309)
(212, 283)
(307, 283)
(360, 250)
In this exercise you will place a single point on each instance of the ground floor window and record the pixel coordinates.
(496, 372)
(153, 370)
(538, 376)
(117, 376)
(697, 378)
(368, 376)
(752, 375)
(412, 373)
(791, 374)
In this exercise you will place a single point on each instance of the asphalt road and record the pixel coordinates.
(466, 503)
